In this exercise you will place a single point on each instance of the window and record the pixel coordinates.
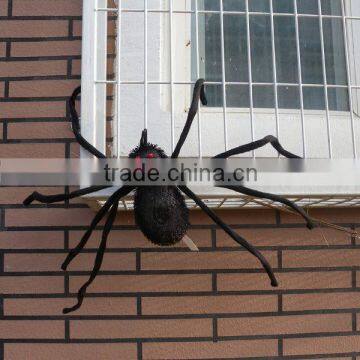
(282, 67)
(253, 40)
(162, 46)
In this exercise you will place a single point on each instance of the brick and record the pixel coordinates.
(46, 48)
(322, 345)
(41, 151)
(203, 260)
(343, 215)
(3, 7)
(48, 109)
(287, 281)
(52, 262)
(77, 28)
(321, 258)
(16, 195)
(33, 68)
(44, 329)
(74, 151)
(235, 217)
(48, 217)
(285, 237)
(33, 28)
(54, 307)
(75, 67)
(128, 329)
(208, 304)
(40, 130)
(32, 284)
(210, 350)
(31, 240)
(144, 283)
(47, 8)
(274, 325)
(135, 239)
(2, 49)
(2, 89)
(299, 302)
(70, 351)
(42, 88)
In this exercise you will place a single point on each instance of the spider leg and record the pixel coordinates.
(49, 199)
(75, 124)
(198, 94)
(99, 258)
(240, 240)
(98, 217)
(256, 145)
(280, 199)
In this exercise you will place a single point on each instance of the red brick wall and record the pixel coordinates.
(149, 303)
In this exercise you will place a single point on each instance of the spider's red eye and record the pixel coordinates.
(150, 155)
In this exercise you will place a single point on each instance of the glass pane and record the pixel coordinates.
(334, 52)
(338, 99)
(307, 6)
(331, 7)
(234, 5)
(261, 49)
(237, 96)
(214, 95)
(210, 5)
(352, 8)
(259, 5)
(283, 6)
(213, 68)
(288, 97)
(236, 56)
(310, 49)
(285, 47)
(263, 97)
(314, 98)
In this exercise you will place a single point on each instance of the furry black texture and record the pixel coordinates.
(142, 151)
(161, 214)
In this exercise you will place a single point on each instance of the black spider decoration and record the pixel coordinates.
(160, 211)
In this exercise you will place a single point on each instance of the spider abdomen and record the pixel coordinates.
(161, 214)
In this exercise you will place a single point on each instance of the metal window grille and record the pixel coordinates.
(136, 114)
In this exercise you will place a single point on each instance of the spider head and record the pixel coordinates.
(146, 150)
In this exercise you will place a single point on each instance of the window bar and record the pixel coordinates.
(325, 79)
(250, 74)
(300, 78)
(145, 64)
(171, 75)
(155, 82)
(274, 70)
(198, 72)
(223, 71)
(118, 80)
(347, 58)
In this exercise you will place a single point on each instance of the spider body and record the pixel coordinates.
(160, 211)
(161, 214)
